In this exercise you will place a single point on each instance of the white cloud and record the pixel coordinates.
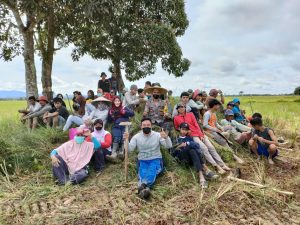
(249, 45)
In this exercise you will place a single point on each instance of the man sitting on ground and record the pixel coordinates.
(150, 164)
(188, 151)
(36, 117)
(154, 108)
(263, 141)
(56, 116)
(213, 94)
(211, 125)
(238, 113)
(33, 107)
(184, 99)
(240, 133)
(131, 100)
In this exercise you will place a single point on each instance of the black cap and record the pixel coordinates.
(103, 74)
(184, 126)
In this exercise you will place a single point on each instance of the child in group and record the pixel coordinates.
(58, 116)
(240, 133)
(116, 115)
(211, 125)
(188, 151)
(238, 113)
(263, 141)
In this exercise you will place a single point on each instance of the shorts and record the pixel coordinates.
(263, 150)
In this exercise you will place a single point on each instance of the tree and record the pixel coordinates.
(12, 24)
(297, 91)
(41, 28)
(241, 93)
(134, 35)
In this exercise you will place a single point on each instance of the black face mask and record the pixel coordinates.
(146, 130)
(155, 96)
(98, 128)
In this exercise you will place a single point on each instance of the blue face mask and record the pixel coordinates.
(99, 94)
(79, 139)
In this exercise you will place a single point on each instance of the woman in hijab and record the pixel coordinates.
(69, 161)
(116, 115)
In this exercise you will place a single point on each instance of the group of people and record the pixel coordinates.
(198, 118)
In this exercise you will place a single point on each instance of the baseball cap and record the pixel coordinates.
(229, 112)
(184, 126)
(179, 105)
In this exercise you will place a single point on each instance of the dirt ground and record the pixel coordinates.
(107, 199)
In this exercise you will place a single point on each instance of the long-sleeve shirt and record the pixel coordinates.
(210, 121)
(148, 146)
(99, 114)
(193, 104)
(236, 125)
(40, 112)
(190, 119)
(130, 99)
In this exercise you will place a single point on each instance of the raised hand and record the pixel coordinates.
(163, 134)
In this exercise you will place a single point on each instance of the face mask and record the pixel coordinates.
(98, 128)
(99, 94)
(79, 139)
(146, 130)
(155, 96)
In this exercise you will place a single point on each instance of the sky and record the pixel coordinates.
(234, 45)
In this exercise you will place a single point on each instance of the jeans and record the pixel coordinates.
(209, 151)
(72, 119)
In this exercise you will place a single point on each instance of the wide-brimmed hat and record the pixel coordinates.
(101, 99)
(150, 90)
(43, 98)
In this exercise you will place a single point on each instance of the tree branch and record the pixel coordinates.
(16, 14)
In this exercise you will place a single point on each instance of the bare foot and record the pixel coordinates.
(220, 170)
(238, 160)
(226, 168)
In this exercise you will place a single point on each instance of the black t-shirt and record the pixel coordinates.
(104, 85)
(63, 112)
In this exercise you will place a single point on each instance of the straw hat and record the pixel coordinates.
(101, 99)
(160, 89)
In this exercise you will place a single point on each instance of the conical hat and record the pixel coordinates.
(160, 89)
(101, 99)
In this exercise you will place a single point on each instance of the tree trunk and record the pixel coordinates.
(117, 70)
(30, 70)
(47, 56)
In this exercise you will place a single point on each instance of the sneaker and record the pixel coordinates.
(142, 187)
(204, 184)
(211, 175)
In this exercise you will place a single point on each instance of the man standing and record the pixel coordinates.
(104, 83)
(148, 143)
(114, 83)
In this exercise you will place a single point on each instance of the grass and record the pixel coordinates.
(29, 196)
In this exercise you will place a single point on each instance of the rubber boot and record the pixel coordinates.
(121, 155)
(113, 156)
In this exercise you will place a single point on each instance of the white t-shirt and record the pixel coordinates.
(34, 108)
